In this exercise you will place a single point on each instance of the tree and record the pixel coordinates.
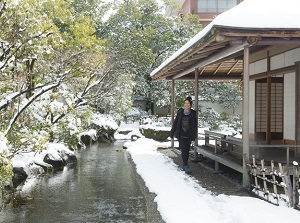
(139, 37)
(62, 64)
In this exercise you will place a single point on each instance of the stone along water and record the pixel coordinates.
(102, 187)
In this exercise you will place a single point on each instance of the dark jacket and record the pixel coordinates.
(193, 125)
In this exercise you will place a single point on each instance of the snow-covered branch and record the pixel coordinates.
(32, 99)
(9, 98)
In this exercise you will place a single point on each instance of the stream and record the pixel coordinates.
(102, 187)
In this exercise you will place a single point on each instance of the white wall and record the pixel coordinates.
(258, 67)
(289, 107)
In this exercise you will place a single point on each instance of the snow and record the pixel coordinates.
(262, 14)
(251, 14)
(181, 198)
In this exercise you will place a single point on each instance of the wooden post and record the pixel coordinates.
(274, 181)
(296, 186)
(266, 191)
(288, 156)
(217, 166)
(196, 109)
(206, 138)
(172, 108)
(268, 127)
(287, 181)
(255, 175)
(284, 182)
(246, 116)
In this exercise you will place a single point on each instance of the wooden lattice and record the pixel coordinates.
(275, 183)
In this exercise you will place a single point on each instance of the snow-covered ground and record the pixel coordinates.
(180, 197)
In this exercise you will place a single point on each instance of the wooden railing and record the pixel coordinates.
(224, 142)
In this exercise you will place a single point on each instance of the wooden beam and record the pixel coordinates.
(271, 41)
(221, 54)
(199, 45)
(260, 33)
(218, 68)
(203, 69)
(234, 65)
(279, 71)
(222, 77)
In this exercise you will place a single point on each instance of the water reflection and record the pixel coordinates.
(100, 188)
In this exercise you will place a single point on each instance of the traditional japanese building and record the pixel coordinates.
(257, 42)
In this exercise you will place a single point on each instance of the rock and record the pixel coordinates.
(56, 162)
(45, 166)
(67, 157)
(87, 139)
(19, 176)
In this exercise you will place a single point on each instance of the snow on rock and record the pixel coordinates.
(59, 155)
(34, 164)
(104, 121)
(88, 136)
(92, 133)
(128, 131)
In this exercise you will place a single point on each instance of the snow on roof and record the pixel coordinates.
(250, 14)
(274, 14)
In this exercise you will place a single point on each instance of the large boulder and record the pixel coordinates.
(19, 176)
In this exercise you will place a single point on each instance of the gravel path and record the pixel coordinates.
(225, 182)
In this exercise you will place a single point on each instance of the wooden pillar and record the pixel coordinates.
(268, 127)
(172, 107)
(269, 82)
(297, 98)
(246, 117)
(196, 86)
(196, 98)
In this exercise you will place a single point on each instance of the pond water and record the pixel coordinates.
(102, 187)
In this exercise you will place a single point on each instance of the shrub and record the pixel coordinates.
(155, 133)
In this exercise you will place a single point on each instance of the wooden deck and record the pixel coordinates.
(228, 151)
(233, 162)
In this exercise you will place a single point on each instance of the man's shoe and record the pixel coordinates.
(187, 169)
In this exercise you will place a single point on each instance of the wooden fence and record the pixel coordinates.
(274, 184)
